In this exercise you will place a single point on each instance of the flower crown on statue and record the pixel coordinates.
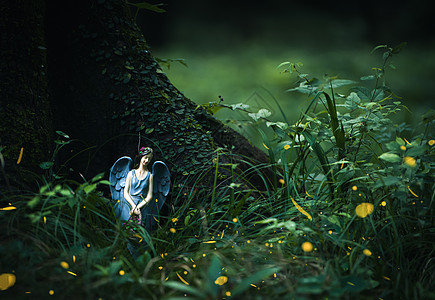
(145, 151)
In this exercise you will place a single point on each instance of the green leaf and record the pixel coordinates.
(390, 157)
(127, 77)
(46, 165)
(386, 181)
(362, 92)
(336, 83)
(261, 114)
(149, 130)
(90, 188)
(368, 77)
(61, 133)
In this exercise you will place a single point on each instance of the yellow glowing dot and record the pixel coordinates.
(248, 241)
(354, 188)
(45, 220)
(166, 254)
(412, 192)
(185, 272)
(114, 257)
(367, 252)
(431, 142)
(51, 292)
(274, 275)
(203, 255)
(74, 258)
(235, 220)
(267, 244)
(228, 293)
(122, 272)
(403, 148)
(174, 220)
(64, 265)
(307, 247)
(194, 266)
(409, 161)
(160, 267)
(384, 203)
(281, 181)
(88, 245)
(364, 209)
(172, 230)
(286, 147)
(6, 281)
(8, 208)
(221, 280)
(330, 231)
(279, 242)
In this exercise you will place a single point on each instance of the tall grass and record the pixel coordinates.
(348, 213)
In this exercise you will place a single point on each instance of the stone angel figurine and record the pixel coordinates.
(139, 193)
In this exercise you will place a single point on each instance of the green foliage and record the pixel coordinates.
(348, 213)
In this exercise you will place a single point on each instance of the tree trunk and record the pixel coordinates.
(106, 90)
(25, 119)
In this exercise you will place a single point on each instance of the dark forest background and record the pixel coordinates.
(232, 48)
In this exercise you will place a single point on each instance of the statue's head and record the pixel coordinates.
(144, 151)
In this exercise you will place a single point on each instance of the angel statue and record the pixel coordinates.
(139, 193)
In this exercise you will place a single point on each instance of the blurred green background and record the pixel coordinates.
(232, 49)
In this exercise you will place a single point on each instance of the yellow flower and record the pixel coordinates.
(409, 161)
(367, 252)
(431, 142)
(6, 281)
(307, 247)
(221, 280)
(64, 265)
(172, 230)
(364, 209)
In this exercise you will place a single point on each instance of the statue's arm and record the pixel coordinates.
(149, 194)
(127, 195)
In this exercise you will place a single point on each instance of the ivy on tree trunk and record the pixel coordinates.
(106, 90)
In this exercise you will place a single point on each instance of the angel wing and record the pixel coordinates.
(117, 178)
(161, 187)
